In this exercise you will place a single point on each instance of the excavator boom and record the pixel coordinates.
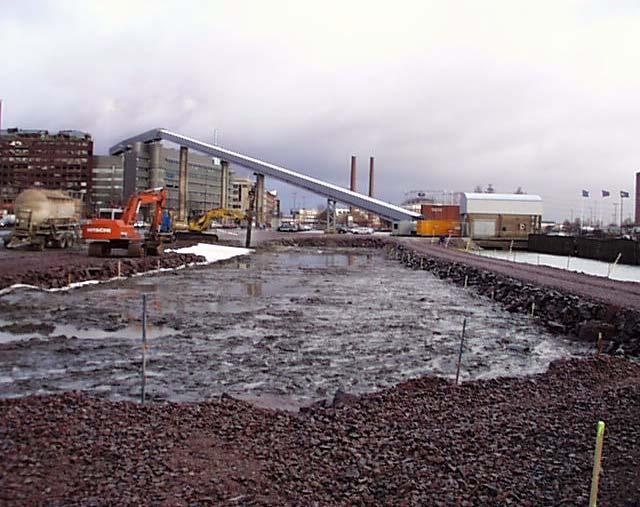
(203, 222)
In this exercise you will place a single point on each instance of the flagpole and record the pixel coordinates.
(621, 199)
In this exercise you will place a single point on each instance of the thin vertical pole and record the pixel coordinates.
(464, 327)
(144, 348)
(597, 459)
(615, 263)
(250, 219)
(599, 344)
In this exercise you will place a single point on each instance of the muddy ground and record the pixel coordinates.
(286, 326)
(524, 442)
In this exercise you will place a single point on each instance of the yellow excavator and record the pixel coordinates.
(203, 222)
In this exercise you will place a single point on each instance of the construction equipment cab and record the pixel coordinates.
(106, 234)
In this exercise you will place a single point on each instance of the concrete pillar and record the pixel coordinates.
(371, 177)
(352, 186)
(156, 178)
(183, 183)
(224, 185)
(259, 204)
(637, 213)
(130, 171)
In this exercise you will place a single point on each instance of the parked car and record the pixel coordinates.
(361, 230)
(342, 229)
(288, 227)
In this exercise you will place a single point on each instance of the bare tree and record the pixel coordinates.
(490, 189)
(519, 191)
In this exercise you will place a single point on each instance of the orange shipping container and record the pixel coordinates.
(440, 212)
(438, 228)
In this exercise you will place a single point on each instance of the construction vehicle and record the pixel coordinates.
(204, 221)
(199, 224)
(45, 218)
(106, 234)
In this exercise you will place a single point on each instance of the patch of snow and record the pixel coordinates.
(621, 272)
(213, 253)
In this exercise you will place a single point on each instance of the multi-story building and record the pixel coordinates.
(240, 189)
(151, 165)
(107, 181)
(36, 158)
(271, 205)
(267, 214)
(304, 216)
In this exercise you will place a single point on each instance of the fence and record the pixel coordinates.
(606, 250)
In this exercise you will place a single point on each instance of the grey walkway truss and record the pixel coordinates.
(381, 208)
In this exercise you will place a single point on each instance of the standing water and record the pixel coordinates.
(298, 323)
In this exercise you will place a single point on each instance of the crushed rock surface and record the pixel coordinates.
(507, 441)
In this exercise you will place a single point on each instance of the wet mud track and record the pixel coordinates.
(288, 324)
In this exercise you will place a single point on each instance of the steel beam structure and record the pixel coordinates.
(383, 209)
(331, 215)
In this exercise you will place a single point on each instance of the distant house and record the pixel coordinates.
(505, 216)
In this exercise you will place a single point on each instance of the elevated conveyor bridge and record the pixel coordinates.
(330, 191)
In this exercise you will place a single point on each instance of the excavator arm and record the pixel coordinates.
(157, 196)
(203, 222)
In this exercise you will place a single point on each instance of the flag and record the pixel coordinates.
(624, 194)
(585, 193)
(606, 193)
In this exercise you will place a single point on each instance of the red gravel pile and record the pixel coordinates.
(425, 442)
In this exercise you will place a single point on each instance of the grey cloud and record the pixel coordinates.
(445, 95)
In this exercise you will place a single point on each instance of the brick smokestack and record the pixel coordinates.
(638, 198)
(353, 173)
(371, 176)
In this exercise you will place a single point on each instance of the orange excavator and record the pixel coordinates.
(105, 234)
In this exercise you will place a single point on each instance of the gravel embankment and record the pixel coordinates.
(425, 442)
(58, 268)
(615, 292)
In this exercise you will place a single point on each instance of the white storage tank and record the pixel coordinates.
(36, 206)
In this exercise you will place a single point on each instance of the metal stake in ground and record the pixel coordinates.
(144, 348)
(597, 459)
(464, 327)
(611, 266)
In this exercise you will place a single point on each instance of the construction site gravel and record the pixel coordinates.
(358, 349)
(525, 441)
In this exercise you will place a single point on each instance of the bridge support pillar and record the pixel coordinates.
(331, 216)
(224, 184)
(156, 178)
(259, 199)
(182, 184)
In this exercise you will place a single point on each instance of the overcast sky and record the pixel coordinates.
(446, 95)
